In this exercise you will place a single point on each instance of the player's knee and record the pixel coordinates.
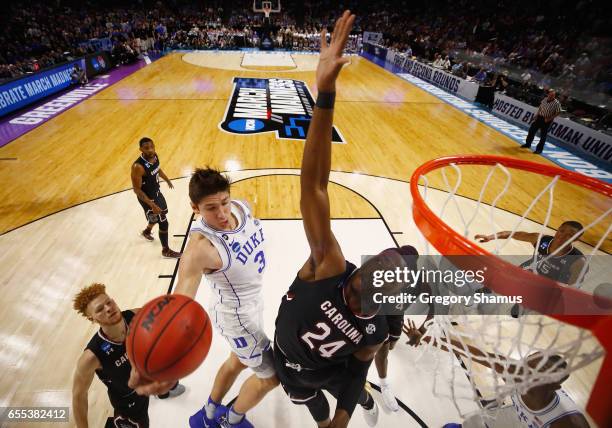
(234, 364)
(383, 352)
(269, 383)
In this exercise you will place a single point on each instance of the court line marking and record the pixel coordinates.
(403, 406)
(254, 169)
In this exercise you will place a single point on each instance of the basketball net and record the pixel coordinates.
(521, 349)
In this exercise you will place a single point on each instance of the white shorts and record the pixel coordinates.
(243, 329)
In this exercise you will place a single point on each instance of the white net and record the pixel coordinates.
(501, 354)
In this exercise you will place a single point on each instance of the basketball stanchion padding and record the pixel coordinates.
(169, 337)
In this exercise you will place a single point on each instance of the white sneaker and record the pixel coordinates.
(389, 399)
(371, 416)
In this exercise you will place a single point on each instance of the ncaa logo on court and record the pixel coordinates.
(282, 106)
(243, 126)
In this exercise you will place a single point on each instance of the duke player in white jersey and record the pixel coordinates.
(226, 243)
(542, 406)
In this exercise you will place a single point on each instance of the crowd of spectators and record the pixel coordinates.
(537, 43)
(518, 47)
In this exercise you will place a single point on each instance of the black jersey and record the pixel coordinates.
(115, 371)
(150, 179)
(556, 267)
(316, 329)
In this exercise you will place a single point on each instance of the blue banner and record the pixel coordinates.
(29, 89)
(104, 44)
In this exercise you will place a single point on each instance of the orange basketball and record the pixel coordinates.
(169, 337)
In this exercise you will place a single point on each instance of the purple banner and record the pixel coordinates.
(18, 124)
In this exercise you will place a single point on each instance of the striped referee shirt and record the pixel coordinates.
(549, 109)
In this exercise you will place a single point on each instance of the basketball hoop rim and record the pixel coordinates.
(509, 279)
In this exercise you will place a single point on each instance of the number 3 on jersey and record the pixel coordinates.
(261, 259)
(327, 350)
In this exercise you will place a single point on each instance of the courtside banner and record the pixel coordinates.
(282, 106)
(587, 140)
(442, 79)
(22, 92)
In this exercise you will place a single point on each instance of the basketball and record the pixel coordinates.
(169, 337)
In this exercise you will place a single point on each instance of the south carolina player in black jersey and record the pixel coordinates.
(145, 182)
(325, 339)
(106, 357)
(568, 262)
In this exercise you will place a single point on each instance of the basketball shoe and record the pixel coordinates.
(222, 418)
(200, 420)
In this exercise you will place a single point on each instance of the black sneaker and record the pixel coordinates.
(170, 254)
(146, 234)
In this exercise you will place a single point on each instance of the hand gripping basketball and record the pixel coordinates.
(168, 339)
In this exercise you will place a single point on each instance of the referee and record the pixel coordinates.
(550, 107)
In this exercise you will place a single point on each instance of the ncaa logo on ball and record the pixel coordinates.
(154, 312)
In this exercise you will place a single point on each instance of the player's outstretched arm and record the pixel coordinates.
(477, 355)
(530, 237)
(197, 257)
(83, 376)
(326, 258)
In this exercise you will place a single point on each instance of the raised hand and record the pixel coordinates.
(330, 58)
(413, 333)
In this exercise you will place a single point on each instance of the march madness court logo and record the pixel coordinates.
(283, 106)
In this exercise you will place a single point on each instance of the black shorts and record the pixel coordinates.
(130, 412)
(395, 323)
(302, 385)
(160, 201)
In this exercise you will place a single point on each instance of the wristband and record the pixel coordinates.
(326, 100)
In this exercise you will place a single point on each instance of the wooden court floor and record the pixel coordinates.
(71, 164)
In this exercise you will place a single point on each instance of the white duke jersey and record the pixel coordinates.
(238, 283)
(560, 407)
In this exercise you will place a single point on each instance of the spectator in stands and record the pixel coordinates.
(500, 84)
(408, 52)
(481, 76)
(550, 107)
(459, 69)
(446, 64)
(78, 76)
(438, 61)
